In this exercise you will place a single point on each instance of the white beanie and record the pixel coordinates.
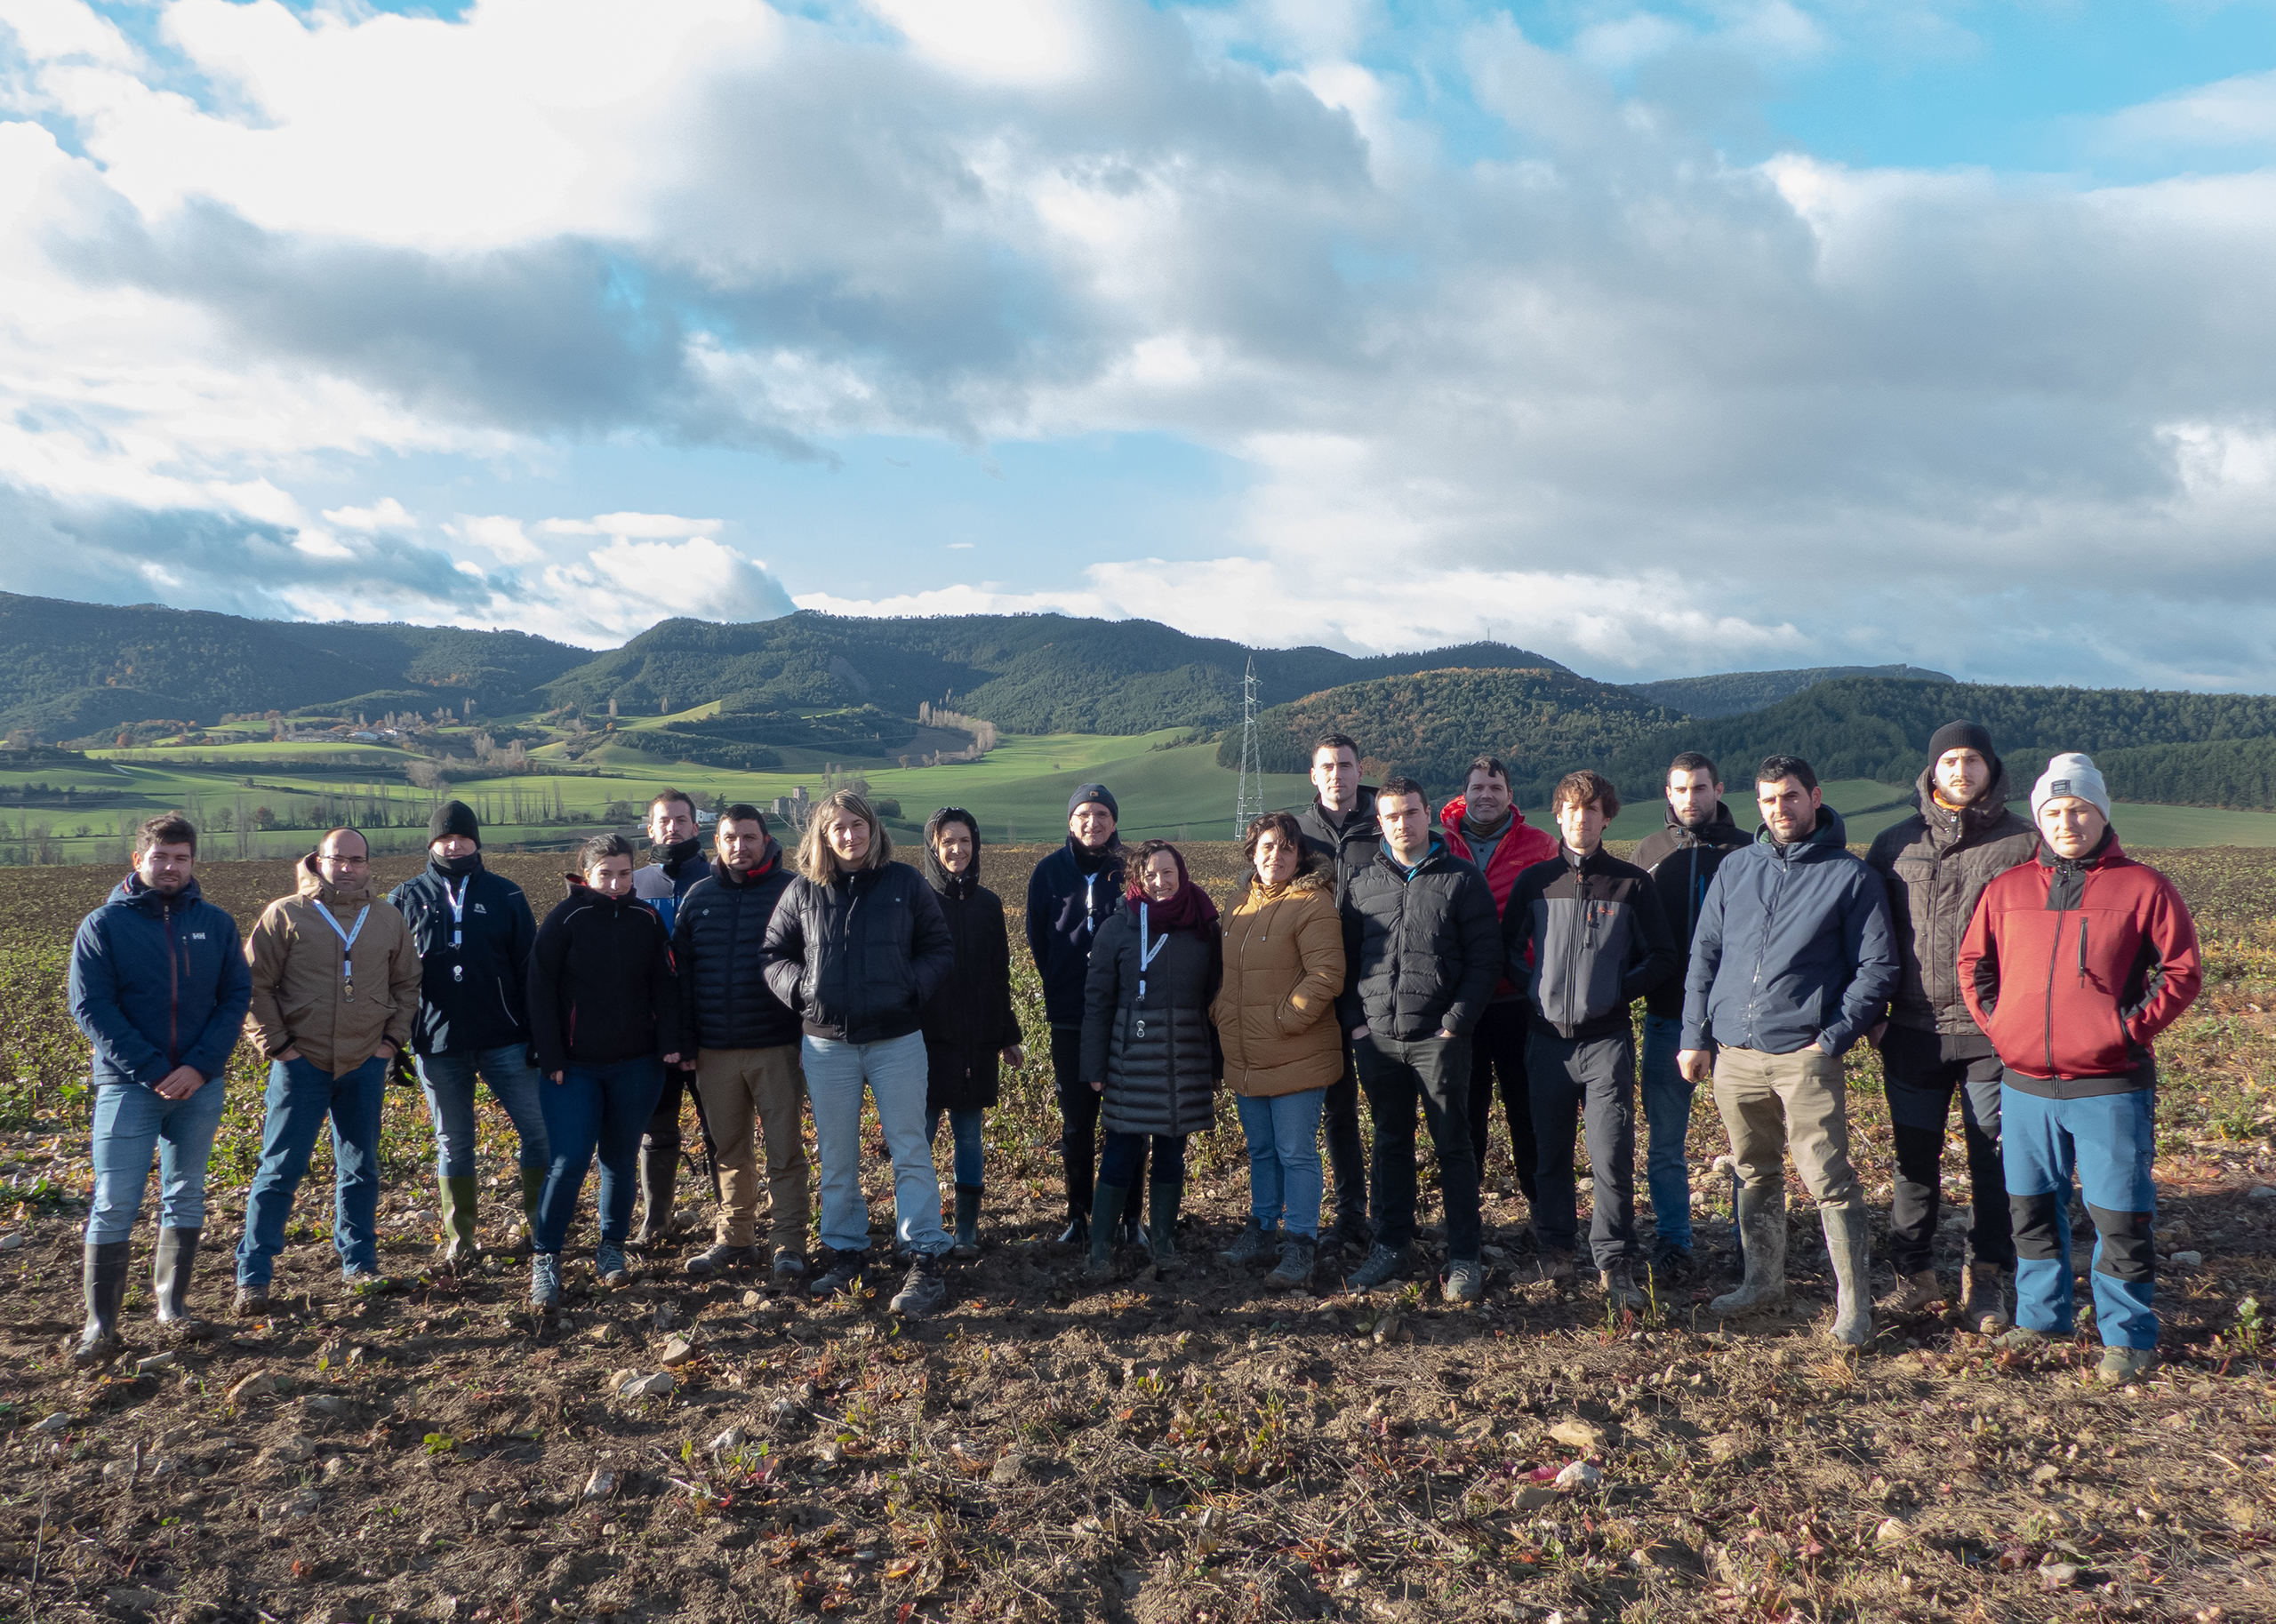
(2071, 774)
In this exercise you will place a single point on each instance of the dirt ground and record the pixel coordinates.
(1180, 1446)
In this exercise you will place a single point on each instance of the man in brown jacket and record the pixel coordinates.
(335, 985)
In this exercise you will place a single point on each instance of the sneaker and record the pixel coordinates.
(251, 1303)
(718, 1258)
(789, 1266)
(844, 1274)
(609, 1264)
(2022, 1339)
(1465, 1281)
(364, 1282)
(923, 1291)
(1076, 1235)
(1671, 1264)
(1915, 1293)
(1253, 1249)
(1619, 1283)
(1352, 1233)
(1385, 1264)
(2121, 1365)
(545, 1281)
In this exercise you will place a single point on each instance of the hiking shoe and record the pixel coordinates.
(1352, 1233)
(844, 1274)
(2022, 1339)
(1671, 1266)
(1619, 1283)
(609, 1264)
(545, 1281)
(1986, 1311)
(364, 1282)
(1294, 1273)
(923, 1291)
(1383, 1265)
(1076, 1234)
(2121, 1365)
(789, 1266)
(1557, 1269)
(718, 1258)
(1255, 1247)
(1915, 1293)
(1465, 1281)
(251, 1303)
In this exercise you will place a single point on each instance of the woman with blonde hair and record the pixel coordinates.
(856, 946)
(1284, 967)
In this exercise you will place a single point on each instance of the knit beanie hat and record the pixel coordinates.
(454, 818)
(1084, 793)
(2071, 774)
(1962, 736)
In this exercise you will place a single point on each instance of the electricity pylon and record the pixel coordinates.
(1251, 801)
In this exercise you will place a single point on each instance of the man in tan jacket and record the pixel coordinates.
(335, 984)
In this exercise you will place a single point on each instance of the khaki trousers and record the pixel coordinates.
(1772, 1102)
(766, 1088)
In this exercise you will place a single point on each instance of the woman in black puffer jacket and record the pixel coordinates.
(969, 1025)
(1148, 1044)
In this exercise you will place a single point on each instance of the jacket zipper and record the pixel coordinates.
(175, 954)
(1762, 946)
(2054, 958)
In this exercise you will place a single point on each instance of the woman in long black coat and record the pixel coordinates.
(1149, 1045)
(969, 1025)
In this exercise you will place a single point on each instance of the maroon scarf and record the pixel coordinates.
(1191, 908)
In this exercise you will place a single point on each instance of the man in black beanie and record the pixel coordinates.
(1936, 864)
(475, 931)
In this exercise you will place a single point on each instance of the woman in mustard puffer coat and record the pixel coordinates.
(1284, 967)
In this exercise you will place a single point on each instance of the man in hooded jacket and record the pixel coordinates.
(1936, 864)
(474, 932)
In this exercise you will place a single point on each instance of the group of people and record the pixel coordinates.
(1376, 949)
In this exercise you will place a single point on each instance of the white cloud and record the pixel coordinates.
(1020, 41)
(386, 514)
(2230, 113)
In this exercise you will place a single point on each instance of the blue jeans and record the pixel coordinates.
(971, 1147)
(1122, 1162)
(1667, 1119)
(894, 1072)
(2109, 1139)
(595, 1107)
(514, 1083)
(1284, 1173)
(131, 1122)
(300, 1096)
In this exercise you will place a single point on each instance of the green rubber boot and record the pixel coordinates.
(1161, 1226)
(460, 1248)
(532, 1186)
(1106, 1218)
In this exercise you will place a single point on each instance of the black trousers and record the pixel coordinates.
(1433, 1074)
(1079, 1116)
(1921, 1082)
(1498, 1046)
(663, 1123)
(1347, 1149)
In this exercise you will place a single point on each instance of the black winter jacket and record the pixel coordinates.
(1936, 864)
(1158, 1054)
(1422, 953)
(1597, 938)
(1682, 863)
(969, 1020)
(1352, 847)
(1066, 909)
(474, 964)
(716, 935)
(602, 985)
(857, 956)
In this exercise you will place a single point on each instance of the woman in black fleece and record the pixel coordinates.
(604, 1019)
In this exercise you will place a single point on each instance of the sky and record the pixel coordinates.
(1658, 339)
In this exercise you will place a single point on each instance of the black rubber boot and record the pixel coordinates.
(1106, 1220)
(106, 1285)
(170, 1269)
(659, 1182)
(967, 1235)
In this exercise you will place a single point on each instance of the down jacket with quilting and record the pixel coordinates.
(717, 930)
(1421, 952)
(1284, 968)
(858, 955)
(1155, 1051)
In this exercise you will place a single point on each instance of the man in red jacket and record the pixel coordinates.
(1483, 827)
(2072, 965)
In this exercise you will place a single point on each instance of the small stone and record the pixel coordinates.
(604, 1334)
(2258, 1192)
(119, 1469)
(1578, 1478)
(335, 1467)
(291, 1451)
(2058, 1575)
(258, 1385)
(14, 1239)
(1892, 1531)
(754, 1299)
(61, 1421)
(2187, 1260)
(678, 1351)
(133, 1598)
(601, 1485)
(1532, 1497)
(1725, 1446)
(667, 1317)
(647, 1387)
(1577, 1434)
(729, 1441)
(294, 1506)
(499, 1514)
(1008, 1470)
(2045, 1474)
(324, 1407)
(782, 1412)
(156, 1363)
(832, 1453)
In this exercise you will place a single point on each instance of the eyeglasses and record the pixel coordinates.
(338, 860)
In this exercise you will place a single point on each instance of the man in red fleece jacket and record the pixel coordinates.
(2072, 965)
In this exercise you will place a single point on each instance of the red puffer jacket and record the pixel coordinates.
(1521, 849)
(2073, 967)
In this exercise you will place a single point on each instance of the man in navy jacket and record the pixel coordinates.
(475, 931)
(159, 984)
(1792, 960)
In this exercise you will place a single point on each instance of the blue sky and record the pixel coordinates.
(1661, 338)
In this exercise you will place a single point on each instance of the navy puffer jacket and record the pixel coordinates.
(1792, 948)
(474, 996)
(718, 932)
(857, 956)
(158, 982)
(1157, 1055)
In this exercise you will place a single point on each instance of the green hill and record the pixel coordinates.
(1028, 674)
(2211, 749)
(1542, 723)
(67, 669)
(1735, 692)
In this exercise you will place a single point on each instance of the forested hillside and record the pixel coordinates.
(1028, 674)
(1735, 692)
(69, 669)
(1543, 724)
